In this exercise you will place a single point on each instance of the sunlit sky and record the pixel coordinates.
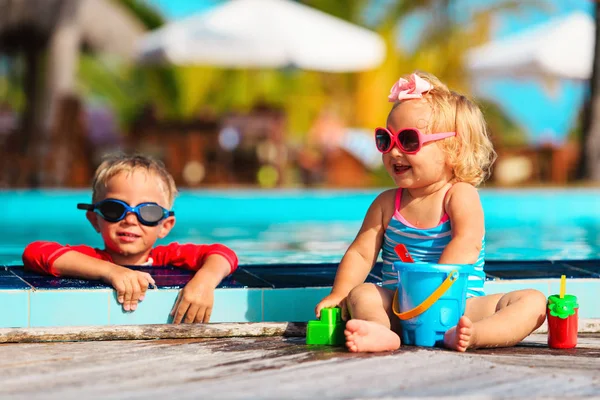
(545, 114)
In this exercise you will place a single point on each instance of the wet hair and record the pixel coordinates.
(470, 153)
(114, 164)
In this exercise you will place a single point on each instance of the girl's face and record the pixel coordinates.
(428, 166)
(128, 241)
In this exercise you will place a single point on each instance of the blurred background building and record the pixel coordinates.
(280, 93)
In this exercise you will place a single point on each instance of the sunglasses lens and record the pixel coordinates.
(383, 140)
(409, 140)
(151, 213)
(111, 210)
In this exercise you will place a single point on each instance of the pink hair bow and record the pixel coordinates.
(413, 88)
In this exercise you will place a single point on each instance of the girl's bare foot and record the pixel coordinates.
(462, 336)
(367, 336)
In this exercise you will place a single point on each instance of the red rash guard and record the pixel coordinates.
(40, 256)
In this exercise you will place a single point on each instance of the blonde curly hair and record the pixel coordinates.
(114, 164)
(470, 153)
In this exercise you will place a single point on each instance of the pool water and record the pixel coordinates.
(312, 226)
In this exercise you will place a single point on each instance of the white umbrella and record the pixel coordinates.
(561, 48)
(264, 33)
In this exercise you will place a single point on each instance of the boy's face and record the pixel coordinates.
(128, 241)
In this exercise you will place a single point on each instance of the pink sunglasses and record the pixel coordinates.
(408, 140)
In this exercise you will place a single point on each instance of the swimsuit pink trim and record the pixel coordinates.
(400, 218)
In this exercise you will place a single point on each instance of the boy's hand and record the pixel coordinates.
(130, 285)
(194, 303)
(195, 300)
(333, 300)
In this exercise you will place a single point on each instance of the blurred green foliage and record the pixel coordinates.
(184, 92)
(145, 13)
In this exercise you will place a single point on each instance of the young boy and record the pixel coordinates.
(132, 196)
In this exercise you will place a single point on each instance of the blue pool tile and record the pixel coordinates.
(9, 280)
(165, 277)
(14, 309)
(21, 271)
(301, 275)
(295, 275)
(591, 267)
(238, 305)
(168, 277)
(176, 278)
(295, 305)
(244, 277)
(12, 282)
(51, 282)
(154, 309)
(230, 305)
(526, 269)
(505, 286)
(69, 307)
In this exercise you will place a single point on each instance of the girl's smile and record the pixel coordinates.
(400, 169)
(425, 169)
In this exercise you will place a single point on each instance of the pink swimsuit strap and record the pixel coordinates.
(399, 216)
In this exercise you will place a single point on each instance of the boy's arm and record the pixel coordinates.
(41, 257)
(195, 301)
(466, 215)
(360, 256)
(193, 256)
(87, 263)
(212, 263)
(130, 285)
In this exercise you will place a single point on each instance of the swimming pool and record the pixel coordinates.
(313, 226)
(292, 239)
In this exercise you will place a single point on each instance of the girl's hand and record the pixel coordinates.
(361, 255)
(333, 300)
(131, 286)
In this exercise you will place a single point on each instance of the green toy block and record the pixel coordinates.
(328, 330)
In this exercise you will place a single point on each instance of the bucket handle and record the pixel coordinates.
(428, 302)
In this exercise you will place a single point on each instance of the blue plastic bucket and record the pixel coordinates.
(431, 299)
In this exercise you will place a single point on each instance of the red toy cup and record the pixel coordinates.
(562, 316)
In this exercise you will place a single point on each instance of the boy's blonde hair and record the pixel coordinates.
(470, 153)
(114, 164)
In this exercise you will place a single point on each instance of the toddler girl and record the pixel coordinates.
(436, 148)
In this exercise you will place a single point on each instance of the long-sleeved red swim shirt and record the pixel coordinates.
(40, 256)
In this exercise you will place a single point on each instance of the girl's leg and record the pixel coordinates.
(370, 329)
(498, 320)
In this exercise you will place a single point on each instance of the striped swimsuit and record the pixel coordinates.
(424, 245)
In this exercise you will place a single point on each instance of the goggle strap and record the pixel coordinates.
(84, 206)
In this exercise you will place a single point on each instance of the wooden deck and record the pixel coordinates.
(285, 368)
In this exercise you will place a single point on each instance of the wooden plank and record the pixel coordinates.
(145, 332)
(184, 331)
(285, 368)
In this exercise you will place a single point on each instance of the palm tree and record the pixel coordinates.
(440, 51)
(126, 87)
(589, 166)
(179, 92)
(49, 36)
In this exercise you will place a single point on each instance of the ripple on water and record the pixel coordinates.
(323, 241)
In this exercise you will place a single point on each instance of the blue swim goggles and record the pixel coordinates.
(113, 210)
